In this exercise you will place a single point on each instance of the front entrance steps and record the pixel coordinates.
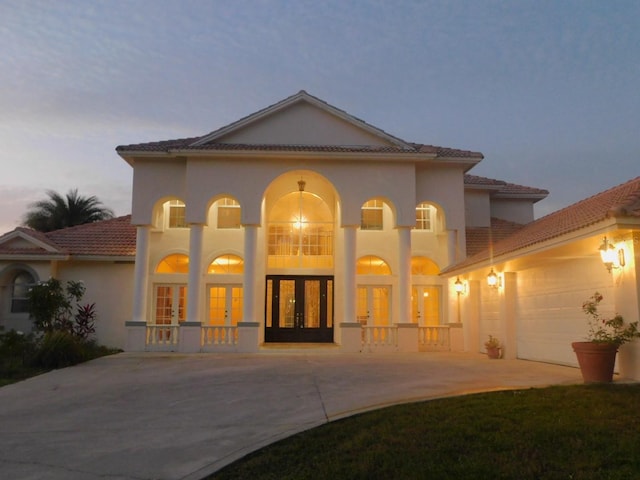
(276, 347)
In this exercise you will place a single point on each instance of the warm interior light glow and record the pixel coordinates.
(611, 257)
(459, 286)
(299, 222)
(492, 279)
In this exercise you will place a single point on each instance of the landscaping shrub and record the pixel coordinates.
(16, 353)
(59, 349)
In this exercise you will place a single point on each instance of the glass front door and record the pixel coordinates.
(425, 304)
(299, 308)
(225, 304)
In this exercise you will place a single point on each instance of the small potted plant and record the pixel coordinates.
(597, 355)
(493, 347)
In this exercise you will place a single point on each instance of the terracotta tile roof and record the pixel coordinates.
(187, 144)
(479, 238)
(115, 237)
(619, 202)
(502, 187)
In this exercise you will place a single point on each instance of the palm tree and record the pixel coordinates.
(58, 212)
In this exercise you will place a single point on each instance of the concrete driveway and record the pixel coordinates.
(172, 416)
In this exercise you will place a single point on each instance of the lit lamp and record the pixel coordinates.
(493, 279)
(610, 257)
(459, 286)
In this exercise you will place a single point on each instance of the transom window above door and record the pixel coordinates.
(372, 265)
(226, 264)
(174, 263)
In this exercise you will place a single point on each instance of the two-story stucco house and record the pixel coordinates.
(302, 223)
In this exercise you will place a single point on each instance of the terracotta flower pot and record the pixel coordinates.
(596, 360)
(493, 352)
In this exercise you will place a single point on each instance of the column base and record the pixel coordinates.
(351, 337)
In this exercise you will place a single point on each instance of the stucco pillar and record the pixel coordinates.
(190, 329)
(404, 274)
(137, 327)
(508, 312)
(141, 274)
(194, 284)
(350, 328)
(248, 329)
(627, 304)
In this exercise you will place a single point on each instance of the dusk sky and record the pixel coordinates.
(548, 91)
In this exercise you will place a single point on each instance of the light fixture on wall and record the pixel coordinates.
(611, 257)
(459, 286)
(493, 280)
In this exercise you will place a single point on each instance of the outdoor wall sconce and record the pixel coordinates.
(459, 286)
(493, 280)
(611, 257)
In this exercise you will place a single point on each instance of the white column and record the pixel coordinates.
(350, 289)
(249, 327)
(136, 328)
(249, 282)
(404, 274)
(194, 285)
(350, 330)
(141, 274)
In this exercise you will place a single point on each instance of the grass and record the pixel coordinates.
(578, 432)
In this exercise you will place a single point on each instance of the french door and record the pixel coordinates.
(374, 305)
(299, 308)
(225, 304)
(170, 304)
(425, 304)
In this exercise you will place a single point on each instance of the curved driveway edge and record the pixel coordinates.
(173, 416)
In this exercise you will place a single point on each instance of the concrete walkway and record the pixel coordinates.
(172, 416)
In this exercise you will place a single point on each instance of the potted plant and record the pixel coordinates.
(493, 347)
(597, 356)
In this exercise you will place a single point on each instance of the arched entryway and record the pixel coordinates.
(300, 212)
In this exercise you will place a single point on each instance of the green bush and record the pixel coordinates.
(60, 349)
(16, 353)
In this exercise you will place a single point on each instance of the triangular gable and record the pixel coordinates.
(21, 240)
(301, 119)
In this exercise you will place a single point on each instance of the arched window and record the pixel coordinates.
(372, 265)
(423, 266)
(175, 263)
(19, 292)
(300, 231)
(226, 264)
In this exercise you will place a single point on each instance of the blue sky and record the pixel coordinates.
(549, 91)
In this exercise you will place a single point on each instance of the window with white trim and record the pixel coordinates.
(424, 217)
(177, 214)
(371, 215)
(20, 286)
(228, 213)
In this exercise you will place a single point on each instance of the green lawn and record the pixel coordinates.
(577, 432)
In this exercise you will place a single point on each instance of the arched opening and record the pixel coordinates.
(423, 266)
(300, 231)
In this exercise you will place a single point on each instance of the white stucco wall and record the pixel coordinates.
(513, 210)
(477, 208)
